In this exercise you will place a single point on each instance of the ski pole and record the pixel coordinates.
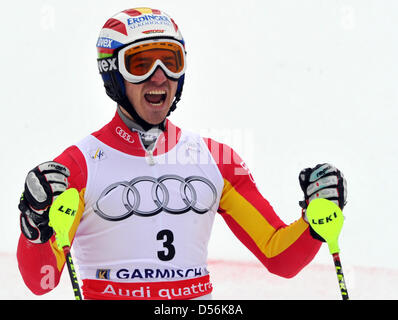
(62, 216)
(326, 219)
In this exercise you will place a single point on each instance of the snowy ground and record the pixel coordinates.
(240, 280)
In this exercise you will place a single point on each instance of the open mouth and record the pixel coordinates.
(155, 97)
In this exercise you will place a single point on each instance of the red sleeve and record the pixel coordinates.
(41, 265)
(283, 249)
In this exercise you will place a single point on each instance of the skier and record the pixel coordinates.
(149, 191)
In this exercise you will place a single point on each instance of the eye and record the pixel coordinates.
(142, 65)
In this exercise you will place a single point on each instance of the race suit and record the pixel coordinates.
(145, 218)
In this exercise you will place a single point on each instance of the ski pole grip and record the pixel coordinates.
(326, 219)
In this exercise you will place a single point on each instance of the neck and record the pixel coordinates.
(148, 137)
(133, 125)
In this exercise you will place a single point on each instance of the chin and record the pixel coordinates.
(156, 117)
(155, 120)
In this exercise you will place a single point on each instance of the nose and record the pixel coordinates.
(159, 77)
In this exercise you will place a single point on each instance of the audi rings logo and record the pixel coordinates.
(147, 196)
(123, 134)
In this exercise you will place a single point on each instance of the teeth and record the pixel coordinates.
(157, 92)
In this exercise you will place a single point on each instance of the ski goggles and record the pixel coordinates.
(138, 61)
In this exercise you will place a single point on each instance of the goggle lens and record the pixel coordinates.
(139, 60)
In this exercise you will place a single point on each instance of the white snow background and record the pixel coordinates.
(288, 84)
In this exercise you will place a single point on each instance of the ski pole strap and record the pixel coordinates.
(340, 276)
(72, 273)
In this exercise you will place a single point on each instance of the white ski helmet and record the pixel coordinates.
(132, 28)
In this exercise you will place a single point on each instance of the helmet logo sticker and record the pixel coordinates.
(152, 31)
(151, 19)
(108, 43)
(106, 65)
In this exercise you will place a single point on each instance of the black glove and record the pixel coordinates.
(322, 181)
(42, 186)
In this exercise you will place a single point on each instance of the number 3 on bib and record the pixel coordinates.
(167, 237)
